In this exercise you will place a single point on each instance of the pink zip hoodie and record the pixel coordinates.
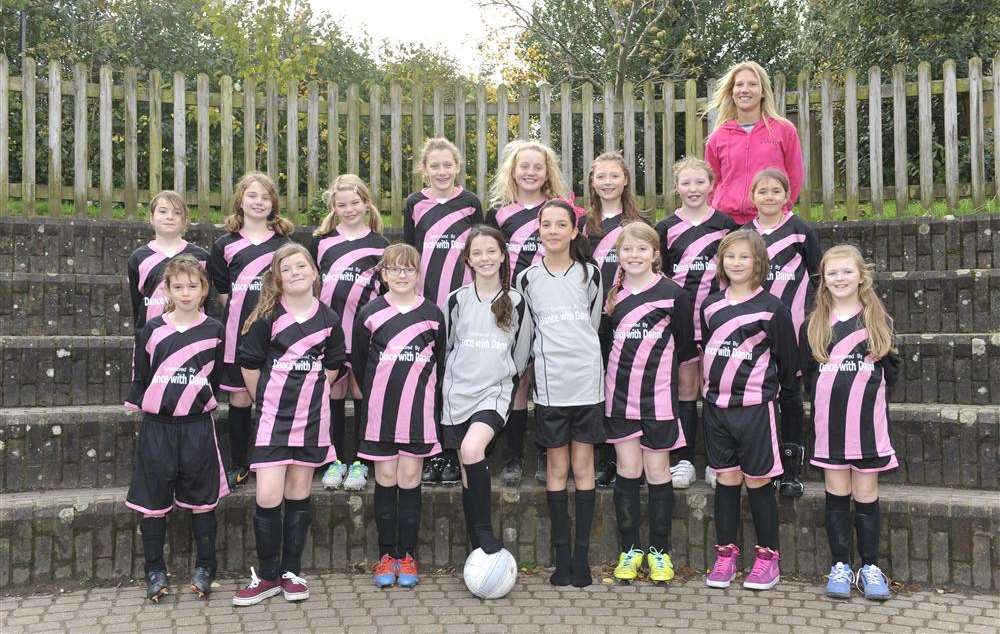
(736, 157)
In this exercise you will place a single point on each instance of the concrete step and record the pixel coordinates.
(49, 448)
(83, 304)
(59, 245)
(929, 534)
(77, 370)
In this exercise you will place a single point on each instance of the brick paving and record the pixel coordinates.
(349, 603)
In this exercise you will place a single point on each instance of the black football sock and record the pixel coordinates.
(386, 515)
(558, 502)
(514, 430)
(267, 532)
(687, 412)
(338, 424)
(239, 436)
(204, 527)
(661, 514)
(584, 502)
(478, 474)
(295, 527)
(867, 523)
(626, 497)
(409, 521)
(727, 513)
(764, 508)
(154, 534)
(838, 527)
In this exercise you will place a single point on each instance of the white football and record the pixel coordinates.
(490, 576)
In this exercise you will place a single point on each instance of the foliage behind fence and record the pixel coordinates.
(871, 138)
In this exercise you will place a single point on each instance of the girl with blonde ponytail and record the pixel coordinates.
(650, 326)
(848, 365)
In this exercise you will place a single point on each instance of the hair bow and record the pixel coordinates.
(570, 198)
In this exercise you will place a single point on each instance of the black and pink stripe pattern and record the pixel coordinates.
(750, 350)
(602, 249)
(850, 406)
(398, 359)
(145, 279)
(293, 393)
(794, 251)
(348, 269)
(651, 336)
(688, 254)
(236, 267)
(519, 225)
(174, 371)
(438, 230)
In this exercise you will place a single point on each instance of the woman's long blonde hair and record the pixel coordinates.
(275, 222)
(722, 100)
(270, 286)
(630, 210)
(873, 314)
(503, 190)
(636, 230)
(350, 183)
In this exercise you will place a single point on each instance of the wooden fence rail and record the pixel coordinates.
(327, 129)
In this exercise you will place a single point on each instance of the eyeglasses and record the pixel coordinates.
(395, 271)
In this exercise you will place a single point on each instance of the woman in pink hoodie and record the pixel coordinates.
(749, 136)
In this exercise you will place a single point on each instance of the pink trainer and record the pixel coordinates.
(765, 573)
(724, 570)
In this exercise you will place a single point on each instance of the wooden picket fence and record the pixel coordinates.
(659, 112)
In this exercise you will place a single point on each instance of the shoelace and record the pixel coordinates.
(356, 469)
(841, 573)
(254, 579)
(760, 565)
(294, 578)
(632, 555)
(871, 574)
(657, 556)
(721, 560)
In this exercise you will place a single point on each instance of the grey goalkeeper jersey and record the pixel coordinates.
(484, 361)
(566, 308)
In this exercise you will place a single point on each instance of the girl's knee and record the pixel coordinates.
(471, 453)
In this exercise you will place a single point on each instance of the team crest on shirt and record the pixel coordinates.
(730, 350)
(180, 375)
(853, 362)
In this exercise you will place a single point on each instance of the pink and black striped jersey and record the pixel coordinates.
(293, 394)
(519, 225)
(750, 349)
(236, 266)
(438, 230)
(794, 251)
(398, 360)
(348, 269)
(145, 279)
(688, 250)
(175, 372)
(602, 249)
(652, 334)
(850, 405)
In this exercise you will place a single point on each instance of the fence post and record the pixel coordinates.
(180, 114)
(312, 143)
(996, 125)
(460, 130)
(851, 142)
(950, 135)
(28, 135)
(418, 133)
(875, 138)
(900, 159)
(545, 113)
(805, 195)
(566, 131)
(669, 143)
(649, 148)
(780, 86)
(826, 134)
(55, 136)
(925, 126)
(332, 132)
(271, 126)
(249, 125)
(523, 112)
(375, 142)
(81, 175)
(203, 141)
(155, 90)
(396, 153)
(610, 134)
(438, 110)
(292, 148)
(226, 143)
(628, 129)
(131, 142)
(481, 150)
(353, 130)
(4, 134)
(502, 122)
(107, 132)
(976, 136)
(587, 95)
(691, 119)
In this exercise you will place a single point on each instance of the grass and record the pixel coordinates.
(938, 209)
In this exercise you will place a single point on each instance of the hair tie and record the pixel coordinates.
(570, 198)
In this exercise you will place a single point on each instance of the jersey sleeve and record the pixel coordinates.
(440, 354)
(682, 324)
(361, 339)
(792, 150)
(807, 362)
(891, 368)
(666, 262)
(477, 214)
(335, 351)
(523, 337)
(313, 247)
(491, 219)
(596, 294)
(409, 227)
(712, 156)
(785, 348)
(451, 314)
(215, 378)
(134, 293)
(812, 251)
(140, 371)
(218, 270)
(252, 349)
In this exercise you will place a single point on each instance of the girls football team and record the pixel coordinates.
(613, 327)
